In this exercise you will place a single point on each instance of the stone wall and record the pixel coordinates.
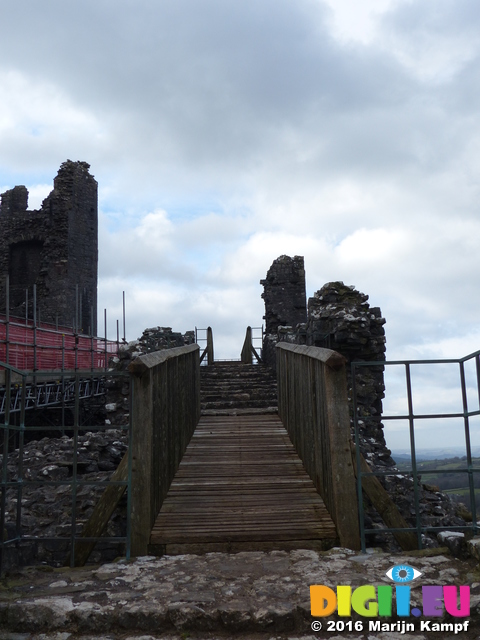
(54, 248)
(284, 293)
(285, 301)
(340, 318)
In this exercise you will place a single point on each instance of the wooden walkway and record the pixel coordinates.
(241, 486)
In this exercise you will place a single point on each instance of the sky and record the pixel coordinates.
(224, 134)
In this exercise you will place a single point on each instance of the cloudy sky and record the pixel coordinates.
(224, 134)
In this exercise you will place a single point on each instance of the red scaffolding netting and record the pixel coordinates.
(46, 347)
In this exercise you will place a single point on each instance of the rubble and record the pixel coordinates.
(118, 389)
(46, 510)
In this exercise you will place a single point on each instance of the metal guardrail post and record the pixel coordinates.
(21, 440)
(34, 327)
(92, 357)
(361, 511)
(76, 351)
(413, 454)
(466, 422)
(7, 319)
(124, 326)
(74, 472)
(129, 486)
(6, 439)
(105, 323)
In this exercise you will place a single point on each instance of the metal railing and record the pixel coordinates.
(16, 481)
(39, 394)
(248, 349)
(257, 339)
(208, 350)
(469, 394)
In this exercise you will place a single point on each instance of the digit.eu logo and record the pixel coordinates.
(370, 601)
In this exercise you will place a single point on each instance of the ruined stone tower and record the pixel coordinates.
(284, 293)
(54, 248)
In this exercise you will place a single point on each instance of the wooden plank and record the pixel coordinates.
(242, 536)
(257, 513)
(249, 521)
(308, 528)
(241, 481)
(205, 503)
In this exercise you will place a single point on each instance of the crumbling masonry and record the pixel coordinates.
(340, 318)
(54, 248)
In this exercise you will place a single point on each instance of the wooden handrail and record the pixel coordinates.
(313, 406)
(208, 351)
(248, 349)
(246, 355)
(166, 410)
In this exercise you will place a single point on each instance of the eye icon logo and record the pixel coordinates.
(402, 573)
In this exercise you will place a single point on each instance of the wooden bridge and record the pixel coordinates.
(241, 485)
(241, 479)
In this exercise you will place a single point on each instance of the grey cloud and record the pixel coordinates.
(254, 107)
(434, 18)
(195, 82)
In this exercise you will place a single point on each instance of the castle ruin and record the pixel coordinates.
(54, 248)
(339, 317)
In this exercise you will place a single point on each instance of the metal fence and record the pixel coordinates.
(16, 480)
(416, 394)
(258, 335)
(206, 354)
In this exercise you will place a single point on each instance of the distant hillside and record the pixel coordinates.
(433, 454)
(455, 482)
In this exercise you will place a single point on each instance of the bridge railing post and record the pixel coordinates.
(313, 406)
(166, 410)
(246, 355)
(210, 357)
(248, 350)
